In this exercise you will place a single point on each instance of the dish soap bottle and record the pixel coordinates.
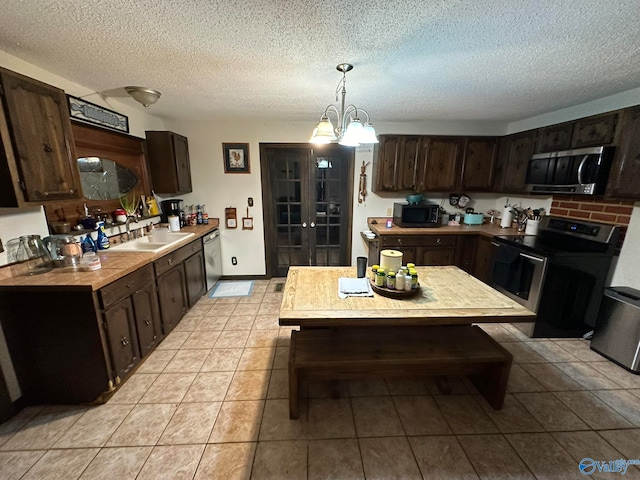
(88, 245)
(103, 240)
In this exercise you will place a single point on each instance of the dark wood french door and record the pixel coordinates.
(307, 197)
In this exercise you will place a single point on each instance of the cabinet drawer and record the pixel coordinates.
(391, 241)
(174, 258)
(116, 291)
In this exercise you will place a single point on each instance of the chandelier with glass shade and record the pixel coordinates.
(350, 131)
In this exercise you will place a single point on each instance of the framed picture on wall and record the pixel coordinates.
(236, 157)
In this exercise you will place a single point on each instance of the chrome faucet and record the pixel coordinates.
(127, 226)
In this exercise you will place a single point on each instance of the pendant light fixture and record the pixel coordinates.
(145, 96)
(350, 131)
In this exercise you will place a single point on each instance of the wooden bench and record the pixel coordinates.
(365, 352)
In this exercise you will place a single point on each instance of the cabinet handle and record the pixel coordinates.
(130, 284)
(194, 248)
(313, 225)
(399, 242)
(59, 192)
(147, 321)
(124, 341)
(170, 261)
(47, 148)
(304, 224)
(173, 299)
(438, 240)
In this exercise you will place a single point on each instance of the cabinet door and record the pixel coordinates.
(121, 335)
(514, 155)
(479, 162)
(594, 131)
(195, 276)
(555, 138)
(465, 252)
(442, 162)
(183, 165)
(625, 171)
(172, 296)
(147, 315)
(386, 155)
(435, 255)
(483, 259)
(408, 167)
(40, 128)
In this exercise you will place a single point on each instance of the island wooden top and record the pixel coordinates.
(449, 296)
(115, 265)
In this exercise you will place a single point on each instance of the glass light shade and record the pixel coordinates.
(368, 134)
(324, 132)
(143, 95)
(352, 136)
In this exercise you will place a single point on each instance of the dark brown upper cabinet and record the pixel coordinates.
(38, 145)
(397, 163)
(555, 138)
(442, 159)
(625, 171)
(514, 154)
(168, 155)
(480, 155)
(595, 130)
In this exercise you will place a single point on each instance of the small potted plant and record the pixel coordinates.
(130, 203)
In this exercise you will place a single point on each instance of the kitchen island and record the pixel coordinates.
(427, 334)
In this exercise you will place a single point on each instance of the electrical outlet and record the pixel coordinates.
(234, 261)
(250, 201)
(388, 212)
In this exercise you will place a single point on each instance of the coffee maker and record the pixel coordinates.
(170, 207)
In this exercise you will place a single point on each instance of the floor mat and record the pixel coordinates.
(240, 288)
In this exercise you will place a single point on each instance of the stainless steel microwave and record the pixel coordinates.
(582, 171)
(416, 215)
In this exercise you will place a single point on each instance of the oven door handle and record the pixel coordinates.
(495, 244)
(530, 257)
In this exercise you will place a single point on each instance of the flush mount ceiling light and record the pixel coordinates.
(143, 95)
(350, 130)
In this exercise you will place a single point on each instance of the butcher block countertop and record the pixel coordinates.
(115, 265)
(487, 229)
(448, 296)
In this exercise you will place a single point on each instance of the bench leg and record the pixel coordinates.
(294, 409)
(493, 383)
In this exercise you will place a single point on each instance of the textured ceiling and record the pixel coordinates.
(414, 59)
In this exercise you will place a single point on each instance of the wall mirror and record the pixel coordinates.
(104, 179)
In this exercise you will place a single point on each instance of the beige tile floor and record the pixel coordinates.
(211, 403)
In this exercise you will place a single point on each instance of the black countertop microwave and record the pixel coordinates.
(582, 171)
(416, 215)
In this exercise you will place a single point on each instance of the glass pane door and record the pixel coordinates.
(331, 182)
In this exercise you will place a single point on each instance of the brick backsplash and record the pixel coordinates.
(596, 209)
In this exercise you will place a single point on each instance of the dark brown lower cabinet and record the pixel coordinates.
(147, 317)
(466, 251)
(195, 277)
(120, 327)
(71, 345)
(172, 296)
(483, 259)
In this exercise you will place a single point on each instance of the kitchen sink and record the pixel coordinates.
(152, 243)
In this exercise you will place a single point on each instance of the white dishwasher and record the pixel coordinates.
(212, 258)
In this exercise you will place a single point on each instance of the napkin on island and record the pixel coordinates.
(354, 287)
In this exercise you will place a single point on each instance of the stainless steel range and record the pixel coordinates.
(559, 273)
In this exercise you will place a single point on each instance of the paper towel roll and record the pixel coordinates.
(390, 260)
(507, 218)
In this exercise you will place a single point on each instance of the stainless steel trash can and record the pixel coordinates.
(617, 331)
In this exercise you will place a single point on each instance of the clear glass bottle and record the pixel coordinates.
(205, 215)
(198, 215)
